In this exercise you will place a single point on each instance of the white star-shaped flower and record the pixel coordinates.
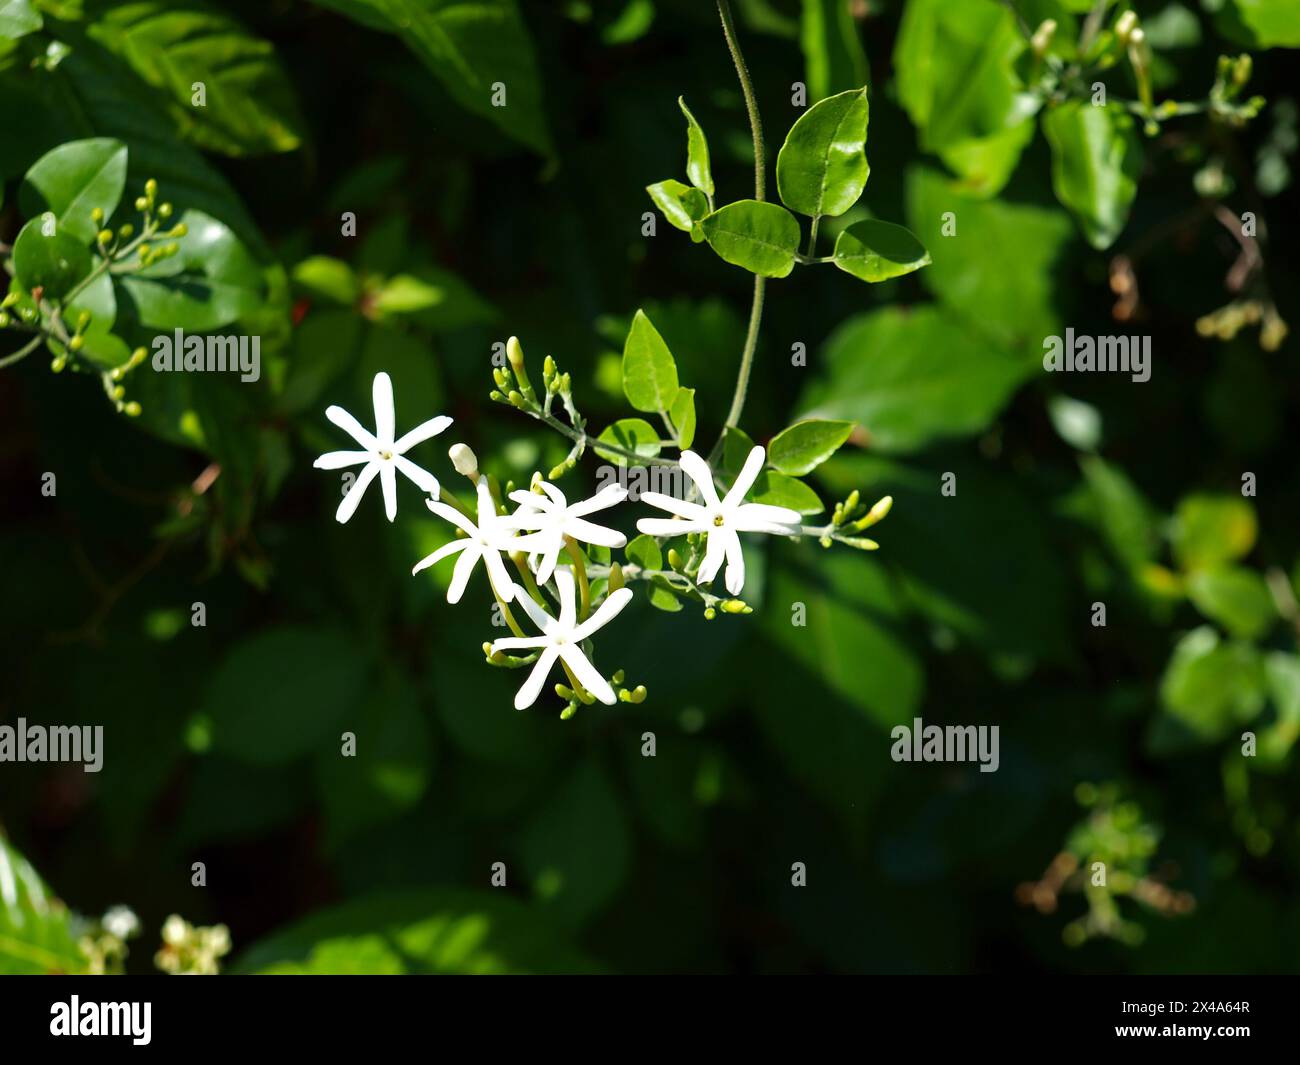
(561, 638)
(721, 519)
(486, 540)
(554, 518)
(382, 454)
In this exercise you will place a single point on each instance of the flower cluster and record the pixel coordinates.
(550, 558)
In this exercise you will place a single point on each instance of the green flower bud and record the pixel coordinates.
(674, 559)
(736, 606)
(179, 230)
(517, 400)
(141, 203)
(618, 677)
(568, 711)
(119, 392)
(83, 320)
(76, 343)
(126, 231)
(4, 320)
(709, 613)
(138, 356)
(9, 300)
(501, 378)
(132, 409)
(639, 693)
(151, 188)
(105, 236)
(496, 397)
(97, 215)
(615, 577)
(165, 210)
(58, 364)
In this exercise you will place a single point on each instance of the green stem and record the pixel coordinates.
(585, 439)
(23, 352)
(580, 567)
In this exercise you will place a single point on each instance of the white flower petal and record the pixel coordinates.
(759, 517)
(353, 499)
(698, 471)
(547, 561)
(452, 515)
(670, 526)
(337, 460)
(590, 533)
(555, 495)
(609, 496)
(674, 505)
(517, 643)
(443, 552)
(388, 481)
(745, 479)
(536, 614)
(527, 694)
(564, 584)
(499, 575)
(588, 676)
(735, 565)
(604, 614)
(715, 553)
(421, 433)
(382, 393)
(460, 575)
(352, 427)
(421, 478)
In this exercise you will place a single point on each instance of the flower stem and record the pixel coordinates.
(505, 613)
(760, 180)
(580, 568)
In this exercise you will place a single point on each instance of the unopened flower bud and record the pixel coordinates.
(132, 409)
(615, 577)
(97, 215)
(463, 458)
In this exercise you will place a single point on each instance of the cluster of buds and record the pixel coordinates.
(1228, 321)
(1230, 78)
(104, 942)
(190, 950)
(14, 307)
(120, 244)
(851, 517)
(514, 388)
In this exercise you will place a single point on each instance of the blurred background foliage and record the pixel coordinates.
(1120, 743)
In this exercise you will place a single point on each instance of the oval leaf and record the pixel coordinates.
(682, 205)
(48, 257)
(72, 180)
(877, 251)
(1096, 160)
(697, 152)
(649, 373)
(804, 446)
(822, 166)
(760, 237)
(632, 434)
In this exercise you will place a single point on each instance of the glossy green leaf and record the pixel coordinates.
(682, 415)
(911, 377)
(1096, 160)
(210, 283)
(1237, 598)
(645, 552)
(760, 237)
(427, 931)
(1209, 530)
(327, 277)
(1272, 23)
(72, 180)
(48, 257)
(1209, 690)
(632, 434)
(822, 166)
(171, 45)
(18, 18)
(872, 250)
(649, 372)
(284, 693)
(472, 48)
(36, 936)
(698, 169)
(832, 48)
(682, 205)
(804, 446)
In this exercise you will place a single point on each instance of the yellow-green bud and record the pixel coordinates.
(709, 613)
(105, 236)
(515, 353)
(165, 210)
(151, 188)
(1124, 26)
(119, 392)
(9, 300)
(126, 231)
(639, 693)
(97, 215)
(76, 343)
(58, 364)
(4, 320)
(138, 356)
(132, 409)
(500, 377)
(615, 577)
(179, 229)
(736, 606)
(141, 203)
(83, 320)
(674, 559)
(516, 399)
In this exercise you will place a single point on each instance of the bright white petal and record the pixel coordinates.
(536, 614)
(555, 495)
(422, 478)
(518, 643)
(382, 393)
(460, 575)
(421, 433)
(546, 565)
(609, 496)
(443, 552)
(669, 526)
(588, 676)
(755, 516)
(527, 694)
(353, 499)
(499, 575)
(674, 505)
(452, 515)
(748, 475)
(336, 460)
(568, 604)
(487, 509)
(388, 481)
(698, 471)
(531, 504)
(352, 427)
(715, 553)
(591, 533)
(605, 613)
(735, 565)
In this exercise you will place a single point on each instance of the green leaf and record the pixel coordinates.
(645, 552)
(427, 931)
(912, 377)
(1209, 530)
(957, 80)
(1236, 597)
(48, 257)
(697, 152)
(36, 935)
(663, 597)
(633, 434)
(1126, 518)
(1209, 690)
(804, 446)
(832, 48)
(649, 372)
(18, 18)
(760, 237)
(577, 850)
(329, 278)
(822, 166)
(1282, 672)
(877, 251)
(1272, 23)
(72, 180)
(211, 282)
(682, 415)
(470, 47)
(1096, 160)
(251, 107)
(680, 204)
(284, 693)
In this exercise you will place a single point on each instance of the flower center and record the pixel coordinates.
(386, 455)
(718, 520)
